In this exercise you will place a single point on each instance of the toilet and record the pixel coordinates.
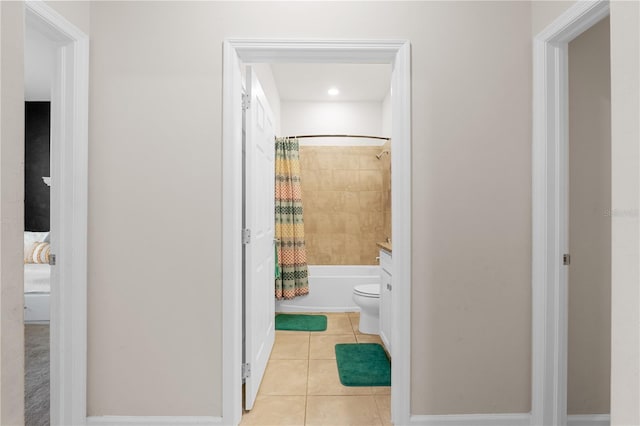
(367, 297)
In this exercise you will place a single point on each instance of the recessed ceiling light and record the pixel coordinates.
(333, 91)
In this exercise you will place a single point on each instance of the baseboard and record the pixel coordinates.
(589, 420)
(518, 419)
(153, 421)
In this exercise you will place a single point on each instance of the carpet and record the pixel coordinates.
(363, 364)
(36, 395)
(299, 322)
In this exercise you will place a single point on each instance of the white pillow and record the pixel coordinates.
(33, 237)
(38, 253)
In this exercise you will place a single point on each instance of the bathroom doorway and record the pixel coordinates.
(339, 116)
(270, 52)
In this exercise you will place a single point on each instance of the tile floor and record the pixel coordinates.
(301, 384)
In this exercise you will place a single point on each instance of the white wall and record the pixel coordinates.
(156, 88)
(352, 118)
(386, 115)
(11, 213)
(76, 12)
(625, 137)
(156, 84)
(38, 66)
(155, 110)
(544, 12)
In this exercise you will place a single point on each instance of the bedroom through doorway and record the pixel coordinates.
(38, 73)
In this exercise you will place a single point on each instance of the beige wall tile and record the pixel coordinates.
(371, 222)
(352, 160)
(352, 249)
(368, 255)
(386, 179)
(324, 178)
(370, 180)
(369, 161)
(305, 159)
(326, 160)
(329, 222)
(310, 180)
(310, 201)
(330, 248)
(310, 224)
(345, 180)
(369, 250)
(370, 201)
(351, 202)
(334, 201)
(343, 190)
(352, 224)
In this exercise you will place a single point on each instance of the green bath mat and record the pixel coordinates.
(363, 364)
(296, 322)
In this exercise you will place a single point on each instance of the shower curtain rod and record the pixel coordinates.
(338, 136)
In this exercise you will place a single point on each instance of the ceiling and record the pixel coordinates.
(38, 66)
(310, 82)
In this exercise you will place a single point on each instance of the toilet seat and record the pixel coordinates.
(367, 290)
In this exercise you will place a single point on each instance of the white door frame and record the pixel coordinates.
(69, 147)
(396, 52)
(549, 209)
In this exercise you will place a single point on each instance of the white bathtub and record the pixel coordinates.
(330, 288)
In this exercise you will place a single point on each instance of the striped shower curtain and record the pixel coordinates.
(292, 254)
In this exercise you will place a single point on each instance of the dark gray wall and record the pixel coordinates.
(36, 165)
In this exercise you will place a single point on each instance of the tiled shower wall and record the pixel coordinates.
(346, 194)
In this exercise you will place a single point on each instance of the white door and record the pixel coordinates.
(259, 251)
(385, 309)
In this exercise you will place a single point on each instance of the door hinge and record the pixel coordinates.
(246, 101)
(566, 259)
(52, 259)
(246, 236)
(246, 370)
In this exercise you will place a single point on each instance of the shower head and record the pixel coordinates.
(378, 156)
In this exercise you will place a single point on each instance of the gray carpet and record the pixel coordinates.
(36, 398)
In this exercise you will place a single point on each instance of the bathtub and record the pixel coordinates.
(330, 288)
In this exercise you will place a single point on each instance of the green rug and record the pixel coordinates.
(363, 364)
(297, 322)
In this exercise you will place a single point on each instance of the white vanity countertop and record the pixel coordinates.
(385, 246)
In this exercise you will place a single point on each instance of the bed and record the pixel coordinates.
(37, 284)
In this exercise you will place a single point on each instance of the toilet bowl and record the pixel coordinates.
(367, 297)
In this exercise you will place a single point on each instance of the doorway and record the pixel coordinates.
(589, 226)
(68, 76)
(337, 121)
(550, 211)
(395, 53)
(38, 67)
